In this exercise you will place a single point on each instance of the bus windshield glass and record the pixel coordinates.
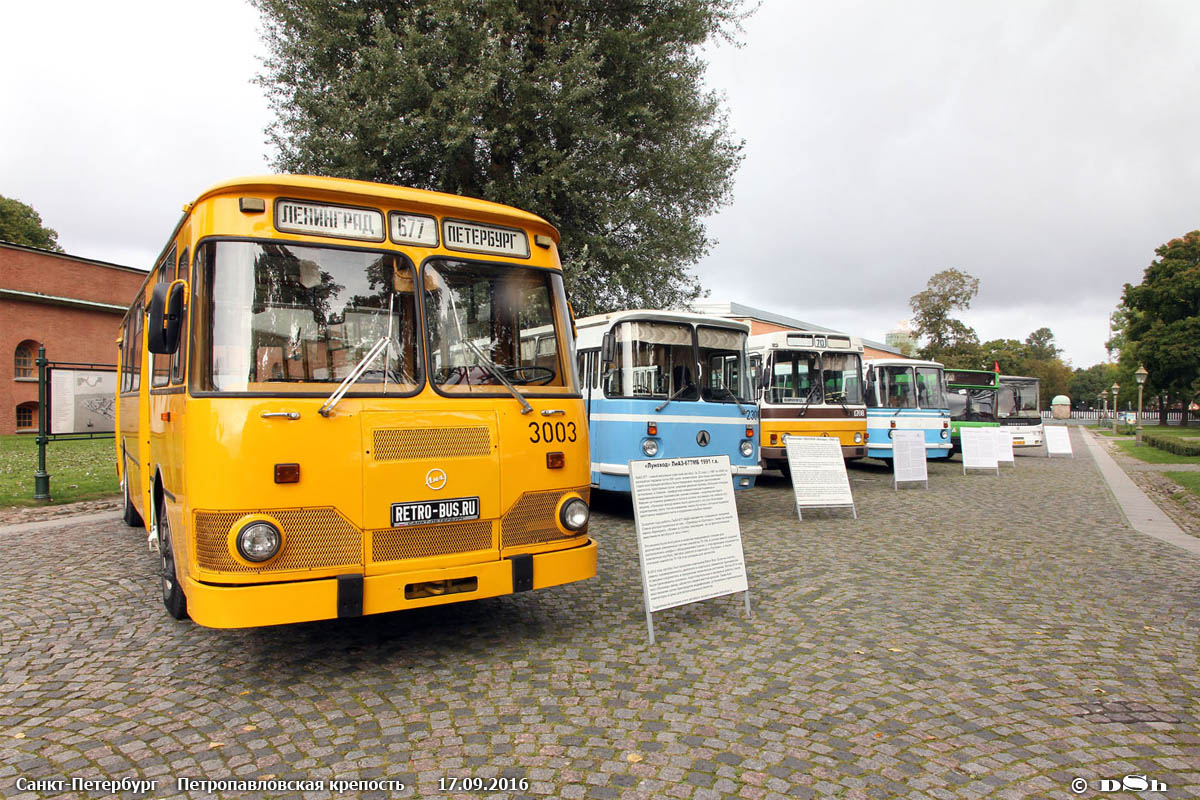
(929, 388)
(1020, 399)
(840, 375)
(281, 317)
(489, 321)
(722, 365)
(794, 377)
(655, 359)
(896, 387)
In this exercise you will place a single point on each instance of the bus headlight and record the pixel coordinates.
(574, 514)
(747, 448)
(650, 447)
(258, 541)
(945, 433)
(858, 438)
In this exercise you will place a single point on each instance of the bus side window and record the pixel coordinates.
(180, 357)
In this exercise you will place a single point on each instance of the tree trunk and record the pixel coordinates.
(1162, 409)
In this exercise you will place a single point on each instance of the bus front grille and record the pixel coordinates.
(406, 444)
(313, 538)
(419, 541)
(531, 519)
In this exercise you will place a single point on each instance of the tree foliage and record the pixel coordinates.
(1087, 385)
(1160, 321)
(1036, 357)
(591, 113)
(20, 224)
(946, 339)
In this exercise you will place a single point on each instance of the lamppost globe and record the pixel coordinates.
(1141, 374)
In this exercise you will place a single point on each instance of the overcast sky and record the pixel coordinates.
(1045, 148)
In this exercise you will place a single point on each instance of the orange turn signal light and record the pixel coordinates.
(555, 460)
(652, 429)
(749, 432)
(774, 438)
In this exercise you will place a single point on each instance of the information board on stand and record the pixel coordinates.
(979, 449)
(1058, 441)
(908, 458)
(1004, 447)
(688, 534)
(818, 470)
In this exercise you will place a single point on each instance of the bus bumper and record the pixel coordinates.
(308, 601)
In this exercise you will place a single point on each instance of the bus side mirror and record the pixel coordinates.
(608, 349)
(166, 317)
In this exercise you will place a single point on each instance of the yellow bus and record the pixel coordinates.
(809, 383)
(329, 407)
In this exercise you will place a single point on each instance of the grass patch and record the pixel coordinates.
(79, 470)
(1188, 480)
(1152, 455)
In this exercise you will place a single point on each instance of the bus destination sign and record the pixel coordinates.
(476, 238)
(413, 229)
(344, 222)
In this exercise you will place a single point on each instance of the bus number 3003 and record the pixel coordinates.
(550, 433)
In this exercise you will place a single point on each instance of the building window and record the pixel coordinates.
(27, 416)
(23, 360)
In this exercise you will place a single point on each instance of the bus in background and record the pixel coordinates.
(972, 398)
(808, 384)
(665, 384)
(906, 394)
(1018, 409)
(327, 409)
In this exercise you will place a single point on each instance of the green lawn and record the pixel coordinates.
(79, 470)
(1152, 455)
(1190, 432)
(1188, 480)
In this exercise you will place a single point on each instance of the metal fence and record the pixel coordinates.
(1147, 416)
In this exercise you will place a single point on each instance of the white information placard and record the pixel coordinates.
(1004, 447)
(689, 537)
(1058, 441)
(908, 457)
(818, 472)
(82, 401)
(978, 449)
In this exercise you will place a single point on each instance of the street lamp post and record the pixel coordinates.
(1102, 403)
(1141, 374)
(1116, 387)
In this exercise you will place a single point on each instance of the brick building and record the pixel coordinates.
(71, 305)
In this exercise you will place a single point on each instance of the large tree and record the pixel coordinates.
(20, 224)
(1161, 321)
(947, 339)
(591, 113)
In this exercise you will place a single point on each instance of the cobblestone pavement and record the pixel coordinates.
(992, 636)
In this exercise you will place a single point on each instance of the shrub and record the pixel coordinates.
(1172, 444)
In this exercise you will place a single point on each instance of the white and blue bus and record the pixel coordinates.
(666, 384)
(906, 394)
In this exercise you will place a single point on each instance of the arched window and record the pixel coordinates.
(23, 360)
(27, 416)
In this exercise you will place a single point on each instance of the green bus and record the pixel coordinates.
(972, 396)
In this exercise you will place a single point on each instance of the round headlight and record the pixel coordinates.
(747, 448)
(258, 541)
(574, 514)
(945, 433)
(650, 447)
(858, 438)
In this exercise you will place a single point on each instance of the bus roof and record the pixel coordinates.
(804, 340)
(373, 192)
(902, 362)
(591, 329)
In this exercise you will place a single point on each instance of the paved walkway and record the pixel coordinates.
(994, 636)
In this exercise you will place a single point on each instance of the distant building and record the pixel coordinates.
(761, 321)
(71, 305)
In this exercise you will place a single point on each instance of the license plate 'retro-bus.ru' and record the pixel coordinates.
(427, 512)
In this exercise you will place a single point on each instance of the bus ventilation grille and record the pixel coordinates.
(419, 541)
(406, 444)
(313, 538)
(531, 519)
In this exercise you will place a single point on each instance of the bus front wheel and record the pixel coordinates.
(172, 592)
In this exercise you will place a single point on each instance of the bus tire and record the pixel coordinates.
(172, 592)
(128, 513)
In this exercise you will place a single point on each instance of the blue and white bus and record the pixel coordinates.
(909, 394)
(666, 384)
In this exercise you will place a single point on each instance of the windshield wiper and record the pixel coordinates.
(678, 392)
(354, 375)
(732, 396)
(494, 370)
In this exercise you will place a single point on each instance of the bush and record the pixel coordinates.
(1172, 444)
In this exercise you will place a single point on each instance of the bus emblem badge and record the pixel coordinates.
(702, 438)
(435, 479)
